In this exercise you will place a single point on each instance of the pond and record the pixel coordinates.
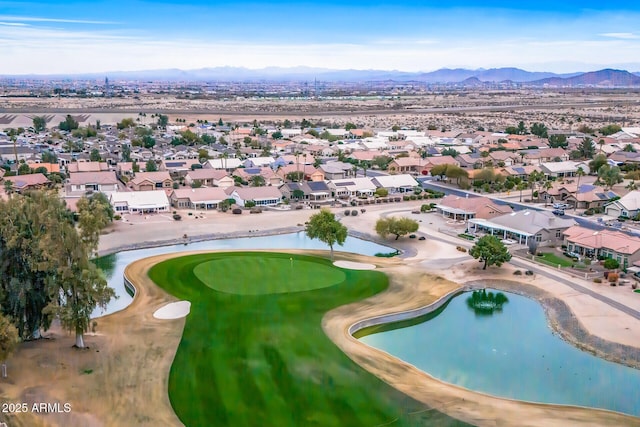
(507, 349)
(113, 265)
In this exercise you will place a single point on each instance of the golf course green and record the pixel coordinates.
(253, 352)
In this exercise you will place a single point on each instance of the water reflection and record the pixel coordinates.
(485, 303)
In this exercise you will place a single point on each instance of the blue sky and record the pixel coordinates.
(409, 35)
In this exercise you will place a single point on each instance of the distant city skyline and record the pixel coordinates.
(59, 37)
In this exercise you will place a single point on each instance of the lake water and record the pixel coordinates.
(114, 264)
(511, 353)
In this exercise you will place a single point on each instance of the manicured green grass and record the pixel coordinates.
(553, 260)
(263, 360)
(250, 275)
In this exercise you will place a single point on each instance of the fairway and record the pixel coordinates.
(251, 275)
(252, 358)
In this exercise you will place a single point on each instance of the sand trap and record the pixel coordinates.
(174, 310)
(354, 265)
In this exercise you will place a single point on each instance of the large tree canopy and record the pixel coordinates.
(44, 267)
(325, 227)
(396, 226)
(490, 250)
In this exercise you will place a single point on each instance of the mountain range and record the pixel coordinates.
(465, 77)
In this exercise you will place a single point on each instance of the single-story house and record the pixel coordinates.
(395, 183)
(198, 198)
(87, 167)
(209, 178)
(523, 226)
(261, 196)
(603, 244)
(147, 181)
(463, 208)
(82, 182)
(352, 187)
(22, 183)
(141, 202)
(627, 206)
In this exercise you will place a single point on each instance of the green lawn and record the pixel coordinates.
(262, 359)
(251, 275)
(553, 260)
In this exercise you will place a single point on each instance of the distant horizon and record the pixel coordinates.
(89, 37)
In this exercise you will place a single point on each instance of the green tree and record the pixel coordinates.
(163, 121)
(126, 124)
(629, 148)
(449, 152)
(49, 157)
(39, 124)
(277, 135)
(490, 250)
(94, 214)
(94, 155)
(396, 226)
(382, 192)
(609, 176)
(611, 264)
(598, 161)
(587, 149)
(558, 141)
(151, 166)
(539, 129)
(297, 194)
(610, 129)
(9, 337)
(382, 162)
(350, 126)
(294, 176)
(325, 227)
(8, 187)
(126, 153)
(69, 124)
(24, 169)
(257, 181)
(148, 141)
(439, 170)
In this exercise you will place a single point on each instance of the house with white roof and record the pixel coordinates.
(228, 164)
(261, 196)
(627, 206)
(563, 169)
(523, 226)
(141, 202)
(352, 187)
(402, 183)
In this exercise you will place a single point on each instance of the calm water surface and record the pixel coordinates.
(114, 264)
(513, 354)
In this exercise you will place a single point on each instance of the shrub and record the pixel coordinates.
(517, 273)
(597, 280)
(528, 273)
(406, 198)
(347, 212)
(461, 249)
(413, 197)
(611, 264)
(178, 217)
(117, 217)
(613, 277)
(387, 254)
(236, 211)
(354, 213)
(249, 204)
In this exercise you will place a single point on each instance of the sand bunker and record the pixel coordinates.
(354, 265)
(174, 310)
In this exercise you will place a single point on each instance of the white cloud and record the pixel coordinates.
(38, 19)
(626, 36)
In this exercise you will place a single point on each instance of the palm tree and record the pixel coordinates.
(548, 185)
(8, 187)
(579, 174)
(521, 186)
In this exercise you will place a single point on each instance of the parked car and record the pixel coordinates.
(561, 206)
(572, 255)
(559, 212)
